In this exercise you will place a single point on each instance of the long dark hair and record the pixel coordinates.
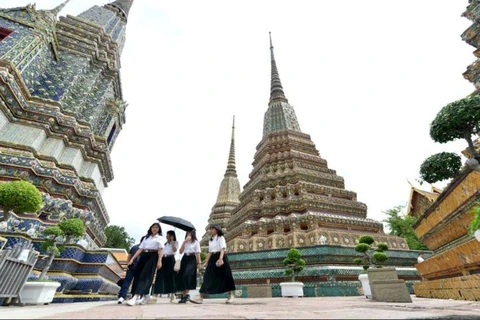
(171, 233)
(219, 231)
(193, 235)
(149, 232)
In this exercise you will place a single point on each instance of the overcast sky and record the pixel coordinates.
(366, 78)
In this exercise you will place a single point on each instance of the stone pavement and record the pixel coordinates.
(273, 308)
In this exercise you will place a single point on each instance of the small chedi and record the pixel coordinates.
(61, 110)
(293, 198)
(228, 193)
(452, 272)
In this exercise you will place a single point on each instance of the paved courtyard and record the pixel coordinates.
(275, 308)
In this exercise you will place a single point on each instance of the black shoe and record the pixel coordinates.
(184, 299)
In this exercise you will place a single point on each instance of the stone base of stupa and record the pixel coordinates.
(329, 270)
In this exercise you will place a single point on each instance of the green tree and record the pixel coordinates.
(117, 237)
(370, 257)
(440, 166)
(56, 235)
(402, 226)
(458, 120)
(294, 262)
(20, 197)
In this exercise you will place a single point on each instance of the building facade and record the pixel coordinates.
(293, 199)
(61, 109)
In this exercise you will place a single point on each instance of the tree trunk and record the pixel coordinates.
(45, 269)
(5, 216)
(293, 277)
(471, 147)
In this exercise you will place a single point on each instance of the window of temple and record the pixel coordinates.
(254, 233)
(269, 231)
(4, 32)
(286, 230)
(304, 227)
(112, 133)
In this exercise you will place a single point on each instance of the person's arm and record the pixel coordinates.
(160, 254)
(223, 247)
(207, 259)
(182, 248)
(174, 246)
(139, 251)
(199, 260)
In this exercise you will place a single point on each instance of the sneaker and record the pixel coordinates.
(196, 300)
(230, 299)
(144, 300)
(120, 300)
(132, 301)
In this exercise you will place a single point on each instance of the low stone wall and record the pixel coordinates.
(457, 288)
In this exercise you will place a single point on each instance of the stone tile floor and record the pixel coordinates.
(274, 308)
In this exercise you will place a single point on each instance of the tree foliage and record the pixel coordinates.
(457, 120)
(20, 197)
(370, 257)
(440, 166)
(56, 235)
(294, 262)
(117, 237)
(402, 226)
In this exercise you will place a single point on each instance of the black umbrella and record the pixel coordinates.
(177, 223)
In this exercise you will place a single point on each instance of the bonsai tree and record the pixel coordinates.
(370, 257)
(20, 197)
(56, 235)
(294, 262)
(457, 120)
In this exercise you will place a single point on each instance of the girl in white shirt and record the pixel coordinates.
(218, 274)
(149, 250)
(165, 280)
(187, 275)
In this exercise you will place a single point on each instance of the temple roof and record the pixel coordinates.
(230, 186)
(123, 5)
(431, 196)
(280, 114)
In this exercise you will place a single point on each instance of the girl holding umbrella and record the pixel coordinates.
(187, 275)
(218, 275)
(165, 280)
(149, 251)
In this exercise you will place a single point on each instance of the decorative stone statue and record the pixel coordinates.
(323, 240)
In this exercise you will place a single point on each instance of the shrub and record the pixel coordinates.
(20, 197)
(294, 262)
(440, 166)
(370, 257)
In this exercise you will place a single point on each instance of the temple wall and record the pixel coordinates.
(452, 271)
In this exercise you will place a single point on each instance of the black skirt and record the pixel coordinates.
(144, 273)
(217, 279)
(165, 280)
(187, 275)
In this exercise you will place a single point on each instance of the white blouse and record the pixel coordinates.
(217, 244)
(152, 243)
(168, 250)
(191, 247)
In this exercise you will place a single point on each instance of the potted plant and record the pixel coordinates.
(42, 290)
(370, 259)
(294, 264)
(475, 224)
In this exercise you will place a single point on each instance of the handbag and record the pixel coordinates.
(177, 265)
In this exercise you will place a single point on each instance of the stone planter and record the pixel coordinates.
(292, 289)
(38, 292)
(365, 285)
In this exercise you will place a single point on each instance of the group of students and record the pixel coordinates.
(153, 259)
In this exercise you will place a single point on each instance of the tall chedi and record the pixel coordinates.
(62, 108)
(293, 198)
(228, 193)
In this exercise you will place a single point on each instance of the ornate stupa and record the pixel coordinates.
(228, 193)
(293, 199)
